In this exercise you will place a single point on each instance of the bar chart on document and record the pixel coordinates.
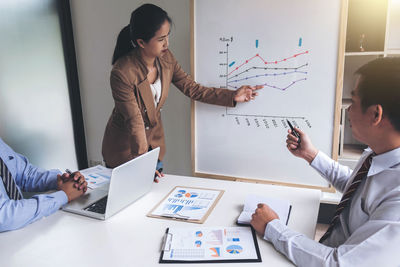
(292, 57)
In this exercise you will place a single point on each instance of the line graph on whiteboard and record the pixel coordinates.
(282, 75)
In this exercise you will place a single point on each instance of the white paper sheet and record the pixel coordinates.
(280, 206)
(97, 176)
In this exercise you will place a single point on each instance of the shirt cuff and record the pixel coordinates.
(60, 197)
(273, 230)
(53, 182)
(320, 160)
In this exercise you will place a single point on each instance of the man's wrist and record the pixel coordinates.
(68, 198)
(310, 156)
(270, 233)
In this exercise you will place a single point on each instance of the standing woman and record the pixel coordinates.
(143, 69)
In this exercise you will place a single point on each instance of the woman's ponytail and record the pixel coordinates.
(124, 45)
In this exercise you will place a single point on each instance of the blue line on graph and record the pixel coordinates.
(268, 74)
(230, 65)
(256, 43)
(261, 68)
(300, 41)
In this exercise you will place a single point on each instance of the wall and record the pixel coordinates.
(35, 112)
(96, 25)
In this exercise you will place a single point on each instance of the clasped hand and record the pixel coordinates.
(73, 185)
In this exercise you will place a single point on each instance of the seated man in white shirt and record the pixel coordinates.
(365, 229)
(17, 174)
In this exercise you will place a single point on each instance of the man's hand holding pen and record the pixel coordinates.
(302, 149)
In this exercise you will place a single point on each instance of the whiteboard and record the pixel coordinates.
(291, 47)
(393, 37)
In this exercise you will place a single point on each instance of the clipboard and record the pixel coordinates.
(166, 247)
(181, 196)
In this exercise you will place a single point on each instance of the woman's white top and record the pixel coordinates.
(156, 87)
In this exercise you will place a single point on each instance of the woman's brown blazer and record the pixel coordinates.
(135, 122)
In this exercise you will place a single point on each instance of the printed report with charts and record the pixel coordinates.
(187, 203)
(210, 245)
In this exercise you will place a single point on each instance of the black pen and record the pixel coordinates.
(294, 132)
(71, 175)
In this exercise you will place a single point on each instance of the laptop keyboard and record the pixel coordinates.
(99, 206)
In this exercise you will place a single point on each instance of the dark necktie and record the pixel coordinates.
(346, 198)
(8, 181)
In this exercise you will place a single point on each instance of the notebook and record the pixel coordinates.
(280, 206)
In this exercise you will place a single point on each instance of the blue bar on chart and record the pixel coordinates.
(181, 201)
(173, 208)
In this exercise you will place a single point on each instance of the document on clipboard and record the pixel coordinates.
(209, 245)
(190, 204)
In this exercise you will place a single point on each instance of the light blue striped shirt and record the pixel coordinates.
(368, 234)
(15, 214)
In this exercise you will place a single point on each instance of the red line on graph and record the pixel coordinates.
(266, 62)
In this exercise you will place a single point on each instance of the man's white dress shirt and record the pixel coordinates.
(368, 232)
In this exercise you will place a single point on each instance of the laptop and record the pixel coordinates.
(128, 183)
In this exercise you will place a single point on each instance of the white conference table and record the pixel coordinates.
(130, 238)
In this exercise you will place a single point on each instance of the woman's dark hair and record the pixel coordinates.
(145, 21)
(380, 85)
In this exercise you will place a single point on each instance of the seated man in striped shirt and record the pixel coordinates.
(17, 174)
